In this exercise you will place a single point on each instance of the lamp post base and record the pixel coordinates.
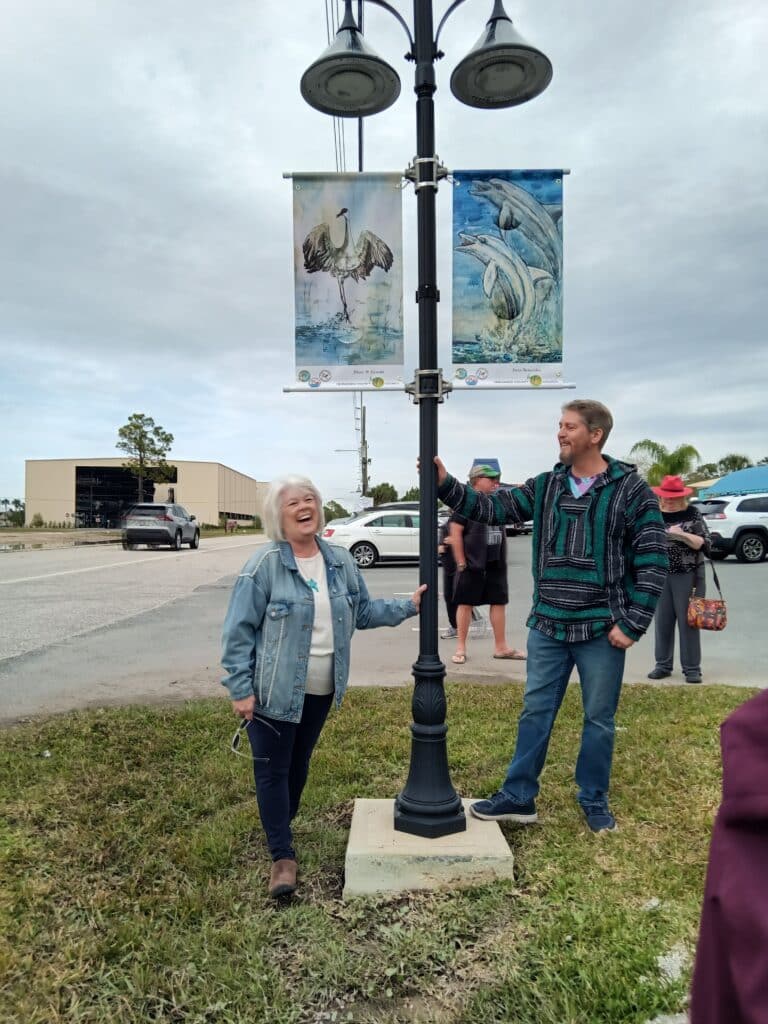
(429, 806)
(426, 822)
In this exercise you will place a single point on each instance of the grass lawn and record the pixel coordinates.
(133, 872)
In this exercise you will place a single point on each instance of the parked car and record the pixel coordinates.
(518, 529)
(159, 524)
(738, 525)
(379, 535)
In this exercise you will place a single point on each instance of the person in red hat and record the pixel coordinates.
(688, 539)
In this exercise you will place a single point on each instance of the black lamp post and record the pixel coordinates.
(351, 80)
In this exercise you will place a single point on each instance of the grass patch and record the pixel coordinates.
(133, 872)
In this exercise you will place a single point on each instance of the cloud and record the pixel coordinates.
(146, 256)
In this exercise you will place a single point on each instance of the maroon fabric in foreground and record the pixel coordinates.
(730, 977)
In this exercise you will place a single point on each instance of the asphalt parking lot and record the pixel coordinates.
(99, 625)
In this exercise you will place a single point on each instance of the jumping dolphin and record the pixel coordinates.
(508, 282)
(519, 210)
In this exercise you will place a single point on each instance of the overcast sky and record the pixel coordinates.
(147, 229)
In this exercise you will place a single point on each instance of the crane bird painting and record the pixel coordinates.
(355, 259)
(507, 271)
(348, 248)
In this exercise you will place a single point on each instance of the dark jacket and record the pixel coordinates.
(730, 978)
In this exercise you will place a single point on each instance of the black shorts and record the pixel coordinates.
(475, 587)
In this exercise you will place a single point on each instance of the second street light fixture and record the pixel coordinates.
(351, 80)
(502, 69)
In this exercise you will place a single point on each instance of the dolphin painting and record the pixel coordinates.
(518, 210)
(508, 282)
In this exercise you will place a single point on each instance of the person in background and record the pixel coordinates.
(448, 562)
(480, 552)
(730, 974)
(599, 562)
(286, 650)
(688, 539)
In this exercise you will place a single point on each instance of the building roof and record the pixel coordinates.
(743, 481)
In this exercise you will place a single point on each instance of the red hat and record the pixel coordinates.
(672, 487)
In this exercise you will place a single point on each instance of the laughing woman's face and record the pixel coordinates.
(299, 514)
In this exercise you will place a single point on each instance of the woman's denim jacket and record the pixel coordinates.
(268, 627)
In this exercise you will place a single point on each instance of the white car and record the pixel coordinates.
(381, 535)
(738, 524)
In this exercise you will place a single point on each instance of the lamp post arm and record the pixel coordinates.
(400, 18)
(445, 17)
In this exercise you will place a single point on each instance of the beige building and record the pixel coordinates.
(96, 492)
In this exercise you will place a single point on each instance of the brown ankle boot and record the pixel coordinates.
(282, 878)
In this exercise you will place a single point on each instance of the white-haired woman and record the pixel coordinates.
(286, 649)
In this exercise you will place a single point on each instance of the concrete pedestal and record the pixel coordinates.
(379, 859)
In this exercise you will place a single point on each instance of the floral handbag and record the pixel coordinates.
(706, 612)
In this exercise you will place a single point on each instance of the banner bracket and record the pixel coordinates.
(439, 171)
(427, 292)
(428, 384)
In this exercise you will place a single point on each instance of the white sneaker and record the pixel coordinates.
(449, 634)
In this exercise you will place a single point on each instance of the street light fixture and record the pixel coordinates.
(351, 80)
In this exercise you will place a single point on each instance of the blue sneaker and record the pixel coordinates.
(599, 818)
(500, 807)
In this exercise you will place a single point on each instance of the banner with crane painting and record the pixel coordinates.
(507, 278)
(348, 262)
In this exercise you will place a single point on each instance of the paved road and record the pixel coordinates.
(102, 626)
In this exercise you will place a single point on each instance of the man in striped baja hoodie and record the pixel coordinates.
(599, 563)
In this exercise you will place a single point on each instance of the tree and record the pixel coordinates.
(412, 494)
(16, 518)
(146, 444)
(763, 461)
(730, 463)
(333, 510)
(382, 493)
(678, 462)
(705, 471)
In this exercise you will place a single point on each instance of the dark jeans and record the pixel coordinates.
(281, 752)
(449, 582)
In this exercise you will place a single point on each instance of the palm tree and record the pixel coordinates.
(678, 462)
(730, 463)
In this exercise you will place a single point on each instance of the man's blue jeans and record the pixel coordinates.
(550, 662)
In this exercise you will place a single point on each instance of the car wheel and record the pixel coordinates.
(751, 547)
(195, 542)
(365, 555)
(176, 542)
(126, 545)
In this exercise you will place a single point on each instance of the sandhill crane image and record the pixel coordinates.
(353, 258)
(507, 270)
(348, 272)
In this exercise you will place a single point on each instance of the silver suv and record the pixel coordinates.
(159, 524)
(738, 524)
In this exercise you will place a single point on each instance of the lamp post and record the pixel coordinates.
(351, 80)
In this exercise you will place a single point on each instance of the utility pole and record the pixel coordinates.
(364, 460)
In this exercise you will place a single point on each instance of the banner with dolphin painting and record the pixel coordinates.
(348, 260)
(507, 278)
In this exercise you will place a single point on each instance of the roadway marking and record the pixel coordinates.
(108, 565)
